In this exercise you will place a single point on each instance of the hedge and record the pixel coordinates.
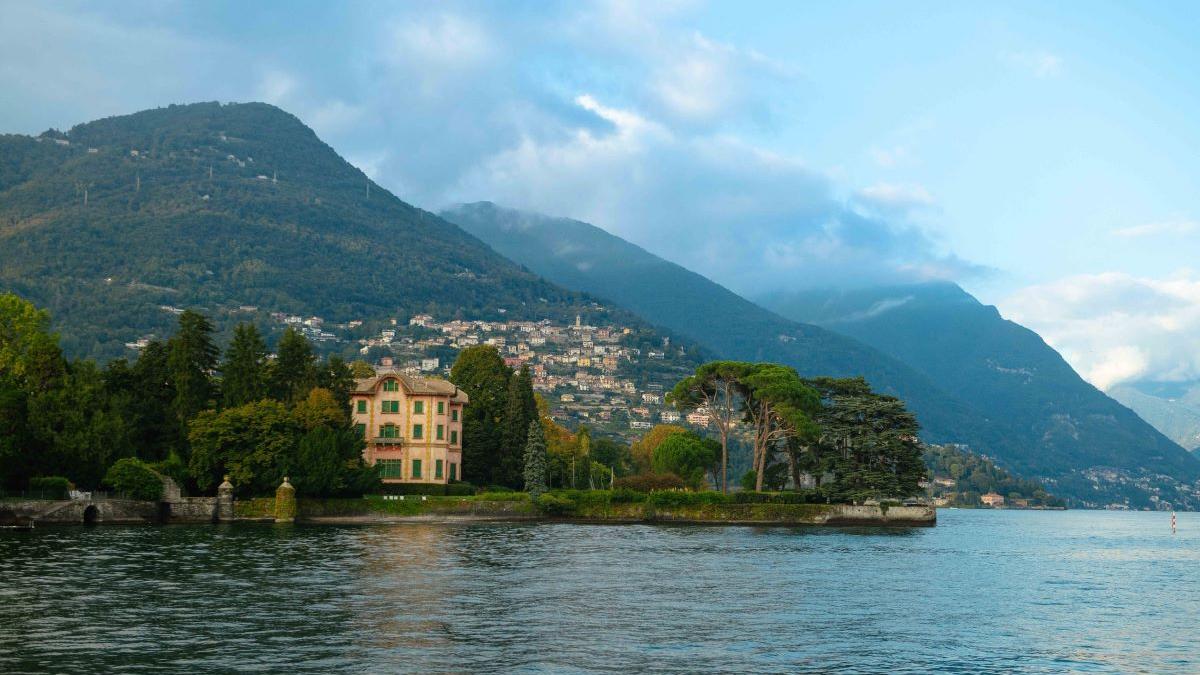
(648, 482)
(51, 487)
(431, 489)
(135, 478)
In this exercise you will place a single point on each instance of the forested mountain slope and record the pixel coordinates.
(216, 206)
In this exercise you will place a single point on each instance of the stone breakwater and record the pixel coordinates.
(451, 509)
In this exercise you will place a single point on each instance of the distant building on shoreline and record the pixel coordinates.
(412, 426)
(992, 499)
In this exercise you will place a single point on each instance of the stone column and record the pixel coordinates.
(285, 502)
(225, 501)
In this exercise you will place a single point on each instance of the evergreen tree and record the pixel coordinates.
(244, 374)
(481, 373)
(520, 408)
(338, 377)
(159, 433)
(191, 359)
(536, 462)
(293, 373)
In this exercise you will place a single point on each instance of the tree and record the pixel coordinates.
(29, 352)
(520, 408)
(329, 463)
(687, 456)
(254, 444)
(778, 405)
(536, 461)
(293, 372)
(158, 432)
(320, 408)
(480, 371)
(338, 377)
(718, 388)
(361, 370)
(244, 373)
(135, 478)
(191, 359)
(612, 454)
(642, 450)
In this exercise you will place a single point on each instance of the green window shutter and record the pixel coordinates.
(418, 431)
(441, 407)
(453, 438)
(362, 406)
(418, 407)
(454, 415)
(453, 471)
(416, 468)
(390, 468)
(441, 433)
(437, 469)
(361, 429)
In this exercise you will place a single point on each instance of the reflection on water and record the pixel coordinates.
(982, 592)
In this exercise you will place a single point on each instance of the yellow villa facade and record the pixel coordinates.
(412, 425)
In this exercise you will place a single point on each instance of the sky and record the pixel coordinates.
(1041, 155)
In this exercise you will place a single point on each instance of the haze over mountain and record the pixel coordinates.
(1173, 408)
(217, 206)
(971, 376)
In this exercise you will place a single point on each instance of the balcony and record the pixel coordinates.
(387, 440)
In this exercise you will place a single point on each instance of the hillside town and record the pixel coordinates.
(612, 378)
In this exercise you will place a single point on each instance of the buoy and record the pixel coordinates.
(1172, 522)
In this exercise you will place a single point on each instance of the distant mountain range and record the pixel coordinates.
(1173, 408)
(971, 376)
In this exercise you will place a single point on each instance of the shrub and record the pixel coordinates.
(554, 505)
(797, 497)
(627, 496)
(648, 482)
(673, 498)
(174, 468)
(460, 490)
(431, 489)
(502, 496)
(51, 487)
(135, 478)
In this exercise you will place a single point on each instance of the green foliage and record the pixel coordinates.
(135, 478)
(459, 489)
(672, 499)
(975, 475)
(553, 504)
(647, 482)
(520, 410)
(254, 444)
(293, 372)
(687, 456)
(244, 373)
(174, 468)
(816, 496)
(536, 461)
(329, 463)
(502, 496)
(480, 371)
(29, 353)
(191, 357)
(320, 409)
(50, 487)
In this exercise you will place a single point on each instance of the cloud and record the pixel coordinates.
(892, 198)
(1039, 63)
(1116, 327)
(1176, 227)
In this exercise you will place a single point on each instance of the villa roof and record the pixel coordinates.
(412, 385)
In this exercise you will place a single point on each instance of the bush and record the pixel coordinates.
(502, 496)
(648, 482)
(554, 505)
(459, 489)
(627, 496)
(135, 478)
(51, 487)
(431, 489)
(174, 468)
(797, 497)
(672, 498)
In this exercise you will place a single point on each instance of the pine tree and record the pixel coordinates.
(244, 373)
(191, 359)
(536, 460)
(338, 377)
(293, 373)
(520, 408)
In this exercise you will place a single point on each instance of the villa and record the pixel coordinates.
(412, 425)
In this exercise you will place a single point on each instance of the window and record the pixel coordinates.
(441, 432)
(441, 407)
(362, 406)
(418, 431)
(453, 437)
(388, 431)
(416, 468)
(418, 407)
(454, 415)
(390, 468)
(453, 472)
(391, 385)
(391, 406)
(437, 469)
(361, 429)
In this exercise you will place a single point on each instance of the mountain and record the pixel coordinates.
(220, 206)
(1173, 408)
(1058, 421)
(970, 376)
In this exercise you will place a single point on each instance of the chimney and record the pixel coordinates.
(386, 362)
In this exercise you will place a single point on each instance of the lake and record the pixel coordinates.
(983, 592)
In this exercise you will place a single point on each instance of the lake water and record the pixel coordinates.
(984, 592)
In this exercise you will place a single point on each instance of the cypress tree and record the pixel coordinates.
(245, 369)
(520, 408)
(338, 377)
(293, 373)
(536, 460)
